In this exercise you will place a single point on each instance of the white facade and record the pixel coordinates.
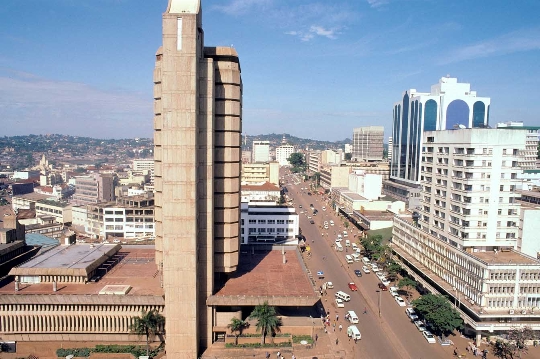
(366, 185)
(449, 105)
(528, 156)
(261, 151)
(143, 165)
(469, 183)
(347, 148)
(283, 153)
(268, 223)
(390, 146)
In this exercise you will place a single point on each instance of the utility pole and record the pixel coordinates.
(379, 301)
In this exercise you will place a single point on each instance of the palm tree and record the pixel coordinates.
(236, 327)
(267, 320)
(149, 324)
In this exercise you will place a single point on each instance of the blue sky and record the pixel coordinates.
(313, 69)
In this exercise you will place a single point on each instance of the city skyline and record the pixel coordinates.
(82, 68)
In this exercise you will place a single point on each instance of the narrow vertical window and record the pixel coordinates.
(179, 35)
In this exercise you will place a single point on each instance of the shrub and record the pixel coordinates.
(298, 338)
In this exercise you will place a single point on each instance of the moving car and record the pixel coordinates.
(353, 332)
(329, 285)
(358, 272)
(400, 301)
(366, 269)
(311, 221)
(429, 337)
(382, 287)
(420, 325)
(339, 303)
(331, 222)
(324, 208)
(320, 274)
(353, 287)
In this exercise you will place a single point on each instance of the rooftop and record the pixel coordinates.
(54, 203)
(267, 186)
(264, 277)
(33, 196)
(137, 269)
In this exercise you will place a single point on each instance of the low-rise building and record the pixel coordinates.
(268, 223)
(366, 185)
(266, 192)
(257, 173)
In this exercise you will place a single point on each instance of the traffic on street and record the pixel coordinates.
(385, 329)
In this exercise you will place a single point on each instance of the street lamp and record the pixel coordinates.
(379, 302)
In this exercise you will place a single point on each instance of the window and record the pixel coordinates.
(281, 230)
(501, 188)
(261, 221)
(252, 221)
(280, 221)
(262, 230)
(290, 221)
(271, 221)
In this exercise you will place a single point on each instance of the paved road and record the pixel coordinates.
(390, 336)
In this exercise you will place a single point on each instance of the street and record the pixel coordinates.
(392, 335)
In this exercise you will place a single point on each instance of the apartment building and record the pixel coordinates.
(334, 176)
(527, 156)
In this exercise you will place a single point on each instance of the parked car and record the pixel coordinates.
(400, 301)
(353, 287)
(385, 281)
(429, 337)
(339, 303)
(411, 314)
(358, 272)
(311, 221)
(299, 206)
(366, 269)
(331, 222)
(420, 325)
(382, 287)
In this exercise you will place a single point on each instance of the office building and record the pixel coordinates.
(261, 151)
(449, 105)
(266, 222)
(368, 143)
(389, 152)
(462, 241)
(334, 176)
(259, 173)
(93, 188)
(197, 138)
(283, 153)
(366, 185)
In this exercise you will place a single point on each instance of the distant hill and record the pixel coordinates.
(301, 143)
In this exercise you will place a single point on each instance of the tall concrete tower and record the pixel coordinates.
(197, 138)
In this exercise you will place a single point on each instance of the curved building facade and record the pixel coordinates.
(449, 105)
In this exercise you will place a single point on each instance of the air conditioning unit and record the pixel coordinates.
(511, 311)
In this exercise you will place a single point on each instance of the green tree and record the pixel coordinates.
(297, 161)
(267, 320)
(438, 310)
(393, 269)
(408, 284)
(515, 346)
(372, 246)
(237, 326)
(148, 324)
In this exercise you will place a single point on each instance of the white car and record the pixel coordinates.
(400, 301)
(324, 208)
(385, 281)
(366, 269)
(326, 226)
(357, 250)
(325, 223)
(339, 303)
(411, 314)
(375, 268)
(420, 325)
(308, 217)
(345, 234)
(429, 337)
(331, 222)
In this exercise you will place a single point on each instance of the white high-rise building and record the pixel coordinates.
(283, 153)
(469, 182)
(449, 105)
(261, 151)
(528, 156)
(390, 145)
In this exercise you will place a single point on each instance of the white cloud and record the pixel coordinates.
(516, 41)
(313, 31)
(29, 104)
(239, 7)
(377, 3)
(321, 31)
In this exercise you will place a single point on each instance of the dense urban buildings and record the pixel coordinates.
(197, 138)
(368, 143)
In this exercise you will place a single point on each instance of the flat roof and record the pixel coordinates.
(137, 269)
(263, 277)
(503, 257)
(33, 196)
(71, 260)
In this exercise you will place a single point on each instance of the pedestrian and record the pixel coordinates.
(337, 341)
(365, 310)
(293, 357)
(326, 331)
(316, 337)
(267, 355)
(340, 327)
(455, 351)
(355, 340)
(337, 316)
(278, 354)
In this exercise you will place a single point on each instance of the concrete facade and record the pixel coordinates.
(261, 151)
(94, 188)
(283, 153)
(368, 143)
(197, 135)
(258, 173)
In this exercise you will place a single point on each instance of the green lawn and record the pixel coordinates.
(386, 234)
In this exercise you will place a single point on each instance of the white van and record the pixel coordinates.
(345, 234)
(353, 332)
(356, 257)
(365, 260)
(354, 246)
(343, 296)
(339, 247)
(352, 317)
(349, 259)
(347, 243)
